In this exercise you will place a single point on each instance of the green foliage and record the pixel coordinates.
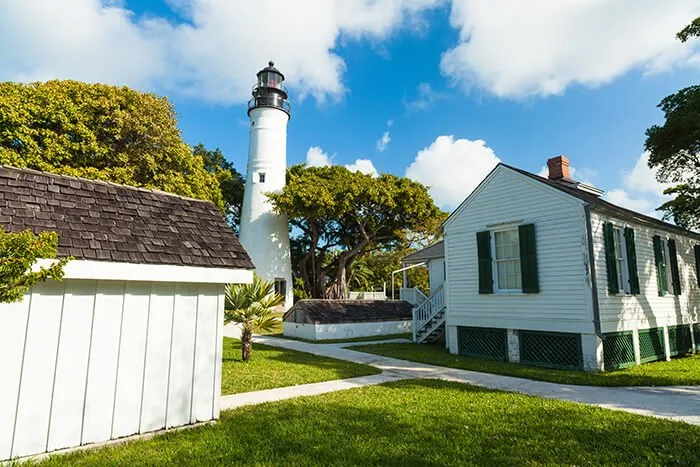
(18, 253)
(674, 149)
(231, 182)
(100, 132)
(690, 31)
(341, 216)
(376, 268)
(252, 307)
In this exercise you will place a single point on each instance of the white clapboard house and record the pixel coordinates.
(544, 271)
(130, 340)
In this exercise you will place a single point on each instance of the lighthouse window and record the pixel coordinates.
(261, 177)
(280, 286)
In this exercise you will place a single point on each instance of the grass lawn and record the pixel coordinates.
(416, 422)
(272, 367)
(351, 339)
(680, 371)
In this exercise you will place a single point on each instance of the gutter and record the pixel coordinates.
(594, 281)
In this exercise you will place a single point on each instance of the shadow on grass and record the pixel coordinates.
(417, 422)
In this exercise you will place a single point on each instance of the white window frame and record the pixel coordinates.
(621, 260)
(494, 270)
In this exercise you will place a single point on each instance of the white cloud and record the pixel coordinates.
(315, 157)
(622, 198)
(517, 49)
(389, 123)
(640, 191)
(364, 166)
(383, 142)
(212, 55)
(425, 98)
(584, 174)
(452, 168)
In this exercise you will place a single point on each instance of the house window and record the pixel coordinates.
(621, 260)
(280, 286)
(261, 177)
(663, 268)
(506, 247)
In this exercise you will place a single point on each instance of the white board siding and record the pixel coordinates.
(322, 332)
(436, 273)
(47, 376)
(564, 301)
(648, 309)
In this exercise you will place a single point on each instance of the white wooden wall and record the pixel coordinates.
(83, 361)
(646, 310)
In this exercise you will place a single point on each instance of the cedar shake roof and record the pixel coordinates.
(108, 222)
(436, 250)
(350, 311)
(596, 202)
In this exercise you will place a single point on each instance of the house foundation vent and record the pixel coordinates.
(651, 345)
(483, 342)
(679, 340)
(618, 350)
(551, 349)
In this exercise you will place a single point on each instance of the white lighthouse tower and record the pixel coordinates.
(264, 234)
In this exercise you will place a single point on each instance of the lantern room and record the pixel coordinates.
(269, 91)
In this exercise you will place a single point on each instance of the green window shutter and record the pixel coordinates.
(696, 248)
(483, 247)
(675, 272)
(632, 261)
(610, 261)
(660, 267)
(528, 258)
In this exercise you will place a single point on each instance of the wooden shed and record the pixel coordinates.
(130, 341)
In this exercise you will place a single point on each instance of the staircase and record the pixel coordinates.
(429, 318)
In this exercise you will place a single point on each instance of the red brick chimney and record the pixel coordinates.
(558, 168)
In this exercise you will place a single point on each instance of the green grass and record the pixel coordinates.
(272, 367)
(416, 422)
(351, 339)
(678, 372)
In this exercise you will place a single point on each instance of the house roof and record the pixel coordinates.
(351, 311)
(104, 221)
(436, 250)
(602, 205)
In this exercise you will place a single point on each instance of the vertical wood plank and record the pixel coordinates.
(181, 359)
(102, 369)
(155, 387)
(219, 324)
(13, 330)
(127, 405)
(205, 354)
(71, 368)
(36, 386)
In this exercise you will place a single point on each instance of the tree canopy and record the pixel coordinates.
(674, 149)
(339, 216)
(100, 132)
(18, 254)
(231, 182)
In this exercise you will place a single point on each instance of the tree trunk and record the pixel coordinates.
(246, 344)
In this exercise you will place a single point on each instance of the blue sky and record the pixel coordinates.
(576, 78)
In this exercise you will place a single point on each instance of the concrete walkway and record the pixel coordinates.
(680, 403)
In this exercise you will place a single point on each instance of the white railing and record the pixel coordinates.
(353, 295)
(413, 296)
(425, 312)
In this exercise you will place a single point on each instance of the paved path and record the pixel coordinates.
(677, 403)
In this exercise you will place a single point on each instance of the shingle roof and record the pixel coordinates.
(109, 222)
(436, 250)
(351, 311)
(600, 204)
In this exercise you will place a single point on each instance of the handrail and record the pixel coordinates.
(412, 295)
(431, 307)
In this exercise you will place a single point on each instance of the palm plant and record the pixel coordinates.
(251, 306)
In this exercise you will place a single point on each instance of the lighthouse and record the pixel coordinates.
(263, 233)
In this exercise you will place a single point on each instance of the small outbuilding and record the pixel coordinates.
(130, 340)
(342, 319)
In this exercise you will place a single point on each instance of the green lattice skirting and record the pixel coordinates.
(483, 342)
(618, 350)
(651, 345)
(679, 340)
(551, 349)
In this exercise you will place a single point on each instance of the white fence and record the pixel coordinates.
(83, 361)
(367, 295)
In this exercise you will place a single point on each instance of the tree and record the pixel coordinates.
(674, 149)
(341, 216)
(100, 132)
(231, 182)
(18, 254)
(251, 306)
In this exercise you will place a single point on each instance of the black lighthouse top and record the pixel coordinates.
(269, 91)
